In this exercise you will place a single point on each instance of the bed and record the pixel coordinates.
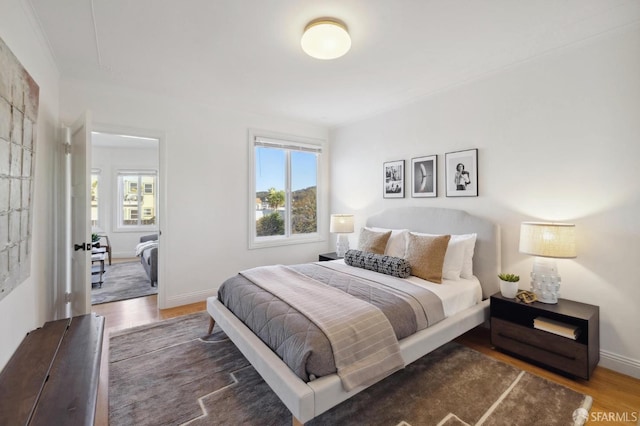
(307, 400)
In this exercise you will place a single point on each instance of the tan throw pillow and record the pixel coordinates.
(373, 242)
(426, 256)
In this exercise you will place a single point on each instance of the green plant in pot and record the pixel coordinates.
(95, 238)
(509, 285)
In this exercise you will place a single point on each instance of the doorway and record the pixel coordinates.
(125, 207)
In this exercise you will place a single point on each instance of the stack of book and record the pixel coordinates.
(556, 327)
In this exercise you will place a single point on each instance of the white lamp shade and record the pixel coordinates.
(325, 38)
(341, 223)
(557, 240)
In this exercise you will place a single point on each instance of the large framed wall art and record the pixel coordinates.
(19, 97)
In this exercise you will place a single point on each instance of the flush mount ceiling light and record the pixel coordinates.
(325, 38)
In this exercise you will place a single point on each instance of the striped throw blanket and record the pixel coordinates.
(364, 345)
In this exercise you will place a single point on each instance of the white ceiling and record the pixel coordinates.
(246, 54)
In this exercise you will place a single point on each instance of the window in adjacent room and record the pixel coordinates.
(132, 201)
(95, 186)
(284, 197)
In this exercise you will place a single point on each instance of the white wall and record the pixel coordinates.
(31, 303)
(558, 141)
(204, 168)
(109, 161)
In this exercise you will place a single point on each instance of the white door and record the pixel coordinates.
(81, 215)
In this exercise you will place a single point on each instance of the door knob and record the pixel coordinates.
(85, 247)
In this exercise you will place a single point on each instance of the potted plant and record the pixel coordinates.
(509, 285)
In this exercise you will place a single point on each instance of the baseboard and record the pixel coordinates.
(123, 254)
(188, 298)
(619, 363)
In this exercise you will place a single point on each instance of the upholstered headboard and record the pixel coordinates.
(487, 255)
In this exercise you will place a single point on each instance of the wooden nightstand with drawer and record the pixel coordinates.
(513, 331)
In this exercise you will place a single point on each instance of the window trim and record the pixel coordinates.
(120, 193)
(286, 141)
(99, 210)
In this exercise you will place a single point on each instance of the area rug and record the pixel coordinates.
(172, 372)
(122, 281)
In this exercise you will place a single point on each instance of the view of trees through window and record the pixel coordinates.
(275, 215)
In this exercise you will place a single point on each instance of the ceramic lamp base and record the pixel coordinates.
(343, 245)
(545, 280)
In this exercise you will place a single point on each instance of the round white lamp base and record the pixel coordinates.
(546, 288)
(343, 245)
(545, 280)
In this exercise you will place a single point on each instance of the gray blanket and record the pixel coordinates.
(365, 348)
(299, 342)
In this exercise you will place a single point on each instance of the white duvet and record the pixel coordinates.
(456, 295)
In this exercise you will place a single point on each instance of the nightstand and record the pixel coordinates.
(328, 256)
(512, 330)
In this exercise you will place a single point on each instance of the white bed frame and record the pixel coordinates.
(309, 400)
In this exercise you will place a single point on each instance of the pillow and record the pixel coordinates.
(425, 254)
(373, 242)
(453, 260)
(458, 261)
(389, 265)
(470, 244)
(397, 244)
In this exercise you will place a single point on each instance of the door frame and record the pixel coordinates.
(163, 230)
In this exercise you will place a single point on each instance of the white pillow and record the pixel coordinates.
(470, 244)
(397, 243)
(458, 261)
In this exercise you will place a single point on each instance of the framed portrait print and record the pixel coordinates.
(424, 176)
(393, 173)
(462, 173)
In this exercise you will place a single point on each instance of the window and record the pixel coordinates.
(284, 197)
(131, 203)
(132, 187)
(94, 198)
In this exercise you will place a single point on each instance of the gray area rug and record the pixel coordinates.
(173, 373)
(122, 281)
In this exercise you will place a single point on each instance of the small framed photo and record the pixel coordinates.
(462, 173)
(424, 176)
(393, 172)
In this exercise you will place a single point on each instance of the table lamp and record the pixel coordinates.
(341, 224)
(547, 241)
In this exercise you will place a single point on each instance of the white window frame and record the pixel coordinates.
(266, 138)
(99, 208)
(119, 206)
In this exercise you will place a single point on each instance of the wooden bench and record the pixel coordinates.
(52, 378)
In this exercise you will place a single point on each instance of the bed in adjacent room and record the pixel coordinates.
(298, 329)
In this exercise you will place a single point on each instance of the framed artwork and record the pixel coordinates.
(424, 176)
(393, 173)
(462, 173)
(19, 100)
